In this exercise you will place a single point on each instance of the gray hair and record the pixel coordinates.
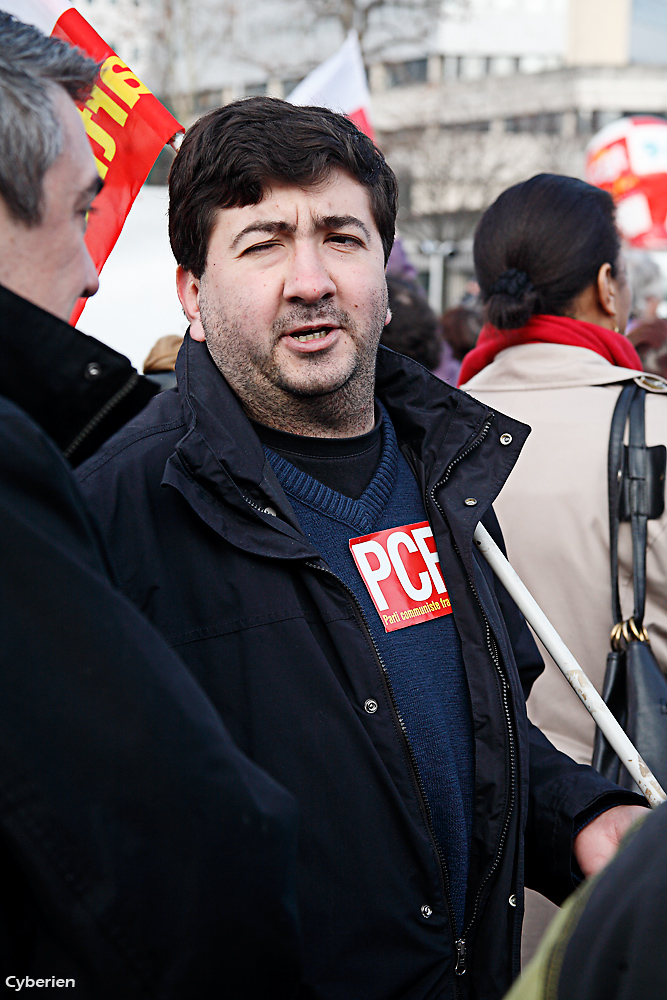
(30, 132)
(646, 281)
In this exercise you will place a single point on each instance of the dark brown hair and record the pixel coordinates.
(229, 158)
(540, 244)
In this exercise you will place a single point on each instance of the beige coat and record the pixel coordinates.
(553, 512)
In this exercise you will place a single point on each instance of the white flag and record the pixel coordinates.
(339, 84)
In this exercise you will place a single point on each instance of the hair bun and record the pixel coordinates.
(513, 283)
(511, 300)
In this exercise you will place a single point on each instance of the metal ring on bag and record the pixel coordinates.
(615, 637)
(626, 632)
(639, 636)
(636, 634)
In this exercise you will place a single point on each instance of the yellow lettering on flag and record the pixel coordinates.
(121, 80)
(101, 136)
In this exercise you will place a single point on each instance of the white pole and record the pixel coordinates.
(564, 659)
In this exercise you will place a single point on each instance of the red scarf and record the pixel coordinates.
(550, 330)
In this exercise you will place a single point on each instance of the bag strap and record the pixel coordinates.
(615, 485)
(638, 472)
(633, 476)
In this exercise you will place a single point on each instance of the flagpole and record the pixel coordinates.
(565, 661)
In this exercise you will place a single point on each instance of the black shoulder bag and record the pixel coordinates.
(635, 689)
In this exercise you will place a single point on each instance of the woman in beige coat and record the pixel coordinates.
(553, 281)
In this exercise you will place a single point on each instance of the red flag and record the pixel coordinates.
(339, 83)
(126, 124)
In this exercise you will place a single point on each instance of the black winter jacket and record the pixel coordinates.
(205, 542)
(77, 389)
(141, 854)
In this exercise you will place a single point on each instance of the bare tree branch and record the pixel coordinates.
(200, 45)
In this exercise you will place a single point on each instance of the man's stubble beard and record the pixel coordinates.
(269, 395)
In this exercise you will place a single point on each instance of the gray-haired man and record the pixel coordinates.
(141, 855)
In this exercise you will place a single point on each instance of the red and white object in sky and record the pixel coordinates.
(629, 159)
(126, 124)
(340, 84)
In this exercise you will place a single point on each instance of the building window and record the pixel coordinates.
(255, 89)
(450, 67)
(406, 74)
(206, 100)
(483, 126)
(503, 66)
(584, 122)
(602, 118)
(542, 124)
(472, 67)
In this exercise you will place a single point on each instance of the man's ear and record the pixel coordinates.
(387, 319)
(607, 290)
(187, 287)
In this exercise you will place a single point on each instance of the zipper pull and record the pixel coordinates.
(460, 967)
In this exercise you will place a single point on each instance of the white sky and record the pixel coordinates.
(137, 301)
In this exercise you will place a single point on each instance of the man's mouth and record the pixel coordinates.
(317, 334)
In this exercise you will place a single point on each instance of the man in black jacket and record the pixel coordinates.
(297, 518)
(142, 855)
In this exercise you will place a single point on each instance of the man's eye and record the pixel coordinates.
(87, 212)
(342, 239)
(257, 247)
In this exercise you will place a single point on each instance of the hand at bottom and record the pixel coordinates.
(598, 842)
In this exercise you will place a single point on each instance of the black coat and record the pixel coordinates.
(184, 496)
(141, 853)
(608, 942)
(77, 389)
(613, 945)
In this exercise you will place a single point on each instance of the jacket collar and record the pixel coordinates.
(433, 421)
(221, 452)
(547, 366)
(65, 380)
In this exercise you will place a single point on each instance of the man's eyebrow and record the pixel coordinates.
(342, 222)
(91, 191)
(268, 226)
(272, 227)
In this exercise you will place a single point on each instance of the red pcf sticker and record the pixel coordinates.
(400, 568)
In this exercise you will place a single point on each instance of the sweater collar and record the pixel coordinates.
(360, 514)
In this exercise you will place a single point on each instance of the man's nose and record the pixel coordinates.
(91, 279)
(307, 278)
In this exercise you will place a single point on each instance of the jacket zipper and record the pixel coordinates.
(124, 391)
(255, 506)
(409, 754)
(460, 942)
(494, 653)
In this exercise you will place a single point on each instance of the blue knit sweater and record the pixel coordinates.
(423, 661)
